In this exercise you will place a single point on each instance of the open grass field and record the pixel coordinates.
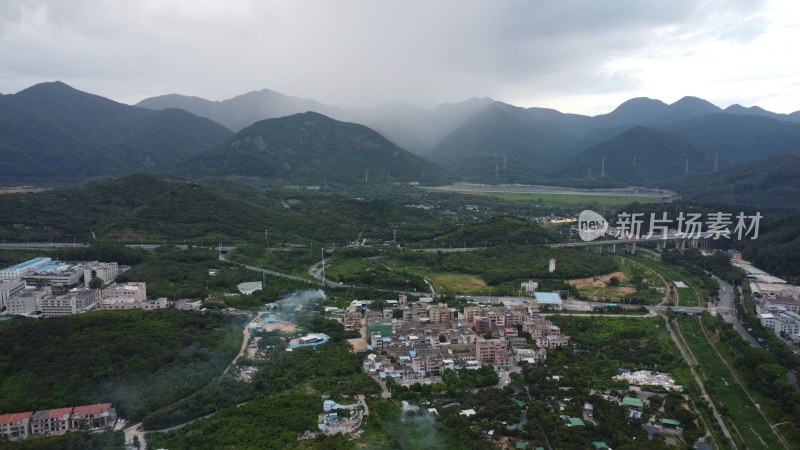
(456, 283)
(567, 199)
(687, 296)
(748, 425)
(570, 199)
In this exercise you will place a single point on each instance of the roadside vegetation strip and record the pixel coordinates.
(670, 274)
(741, 384)
(665, 298)
(722, 386)
(684, 350)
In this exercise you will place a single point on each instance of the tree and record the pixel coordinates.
(96, 283)
(136, 441)
(613, 281)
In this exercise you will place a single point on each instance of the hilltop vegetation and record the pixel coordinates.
(312, 149)
(770, 182)
(505, 229)
(157, 208)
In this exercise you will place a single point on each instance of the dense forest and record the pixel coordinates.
(137, 360)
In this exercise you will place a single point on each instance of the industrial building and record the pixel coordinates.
(16, 272)
(75, 301)
(134, 291)
(8, 289)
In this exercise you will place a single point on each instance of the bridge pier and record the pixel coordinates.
(659, 245)
(613, 248)
(631, 248)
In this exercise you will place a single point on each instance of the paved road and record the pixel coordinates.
(135, 430)
(727, 310)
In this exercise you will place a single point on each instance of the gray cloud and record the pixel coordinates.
(352, 53)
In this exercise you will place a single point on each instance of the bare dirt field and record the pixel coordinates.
(597, 286)
(285, 327)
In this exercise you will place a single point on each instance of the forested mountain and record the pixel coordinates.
(736, 137)
(504, 143)
(769, 182)
(646, 111)
(241, 111)
(310, 148)
(487, 140)
(52, 132)
(640, 156)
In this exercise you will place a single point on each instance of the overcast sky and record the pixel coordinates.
(582, 56)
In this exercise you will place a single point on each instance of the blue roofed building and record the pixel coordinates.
(16, 271)
(550, 299)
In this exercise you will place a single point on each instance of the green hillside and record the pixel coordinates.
(769, 182)
(737, 138)
(503, 143)
(52, 132)
(640, 156)
(155, 208)
(312, 149)
(138, 360)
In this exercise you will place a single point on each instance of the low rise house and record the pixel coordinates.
(93, 417)
(51, 421)
(15, 426)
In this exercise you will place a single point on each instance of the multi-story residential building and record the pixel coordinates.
(441, 314)
(129, 303)
(471, 312)
(552, 341)
(75, 301)
(15, 426)
(93, 417)
(134, 291)
(411, 316)
(16, 272)
(352, 320)
(482, 324)
(492, 351)
(10, 288)
(51, 421)
(536, 327)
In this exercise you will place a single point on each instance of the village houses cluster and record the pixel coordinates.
(427, 338)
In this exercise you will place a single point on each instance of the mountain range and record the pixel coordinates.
(491, 141)
(52, 132)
